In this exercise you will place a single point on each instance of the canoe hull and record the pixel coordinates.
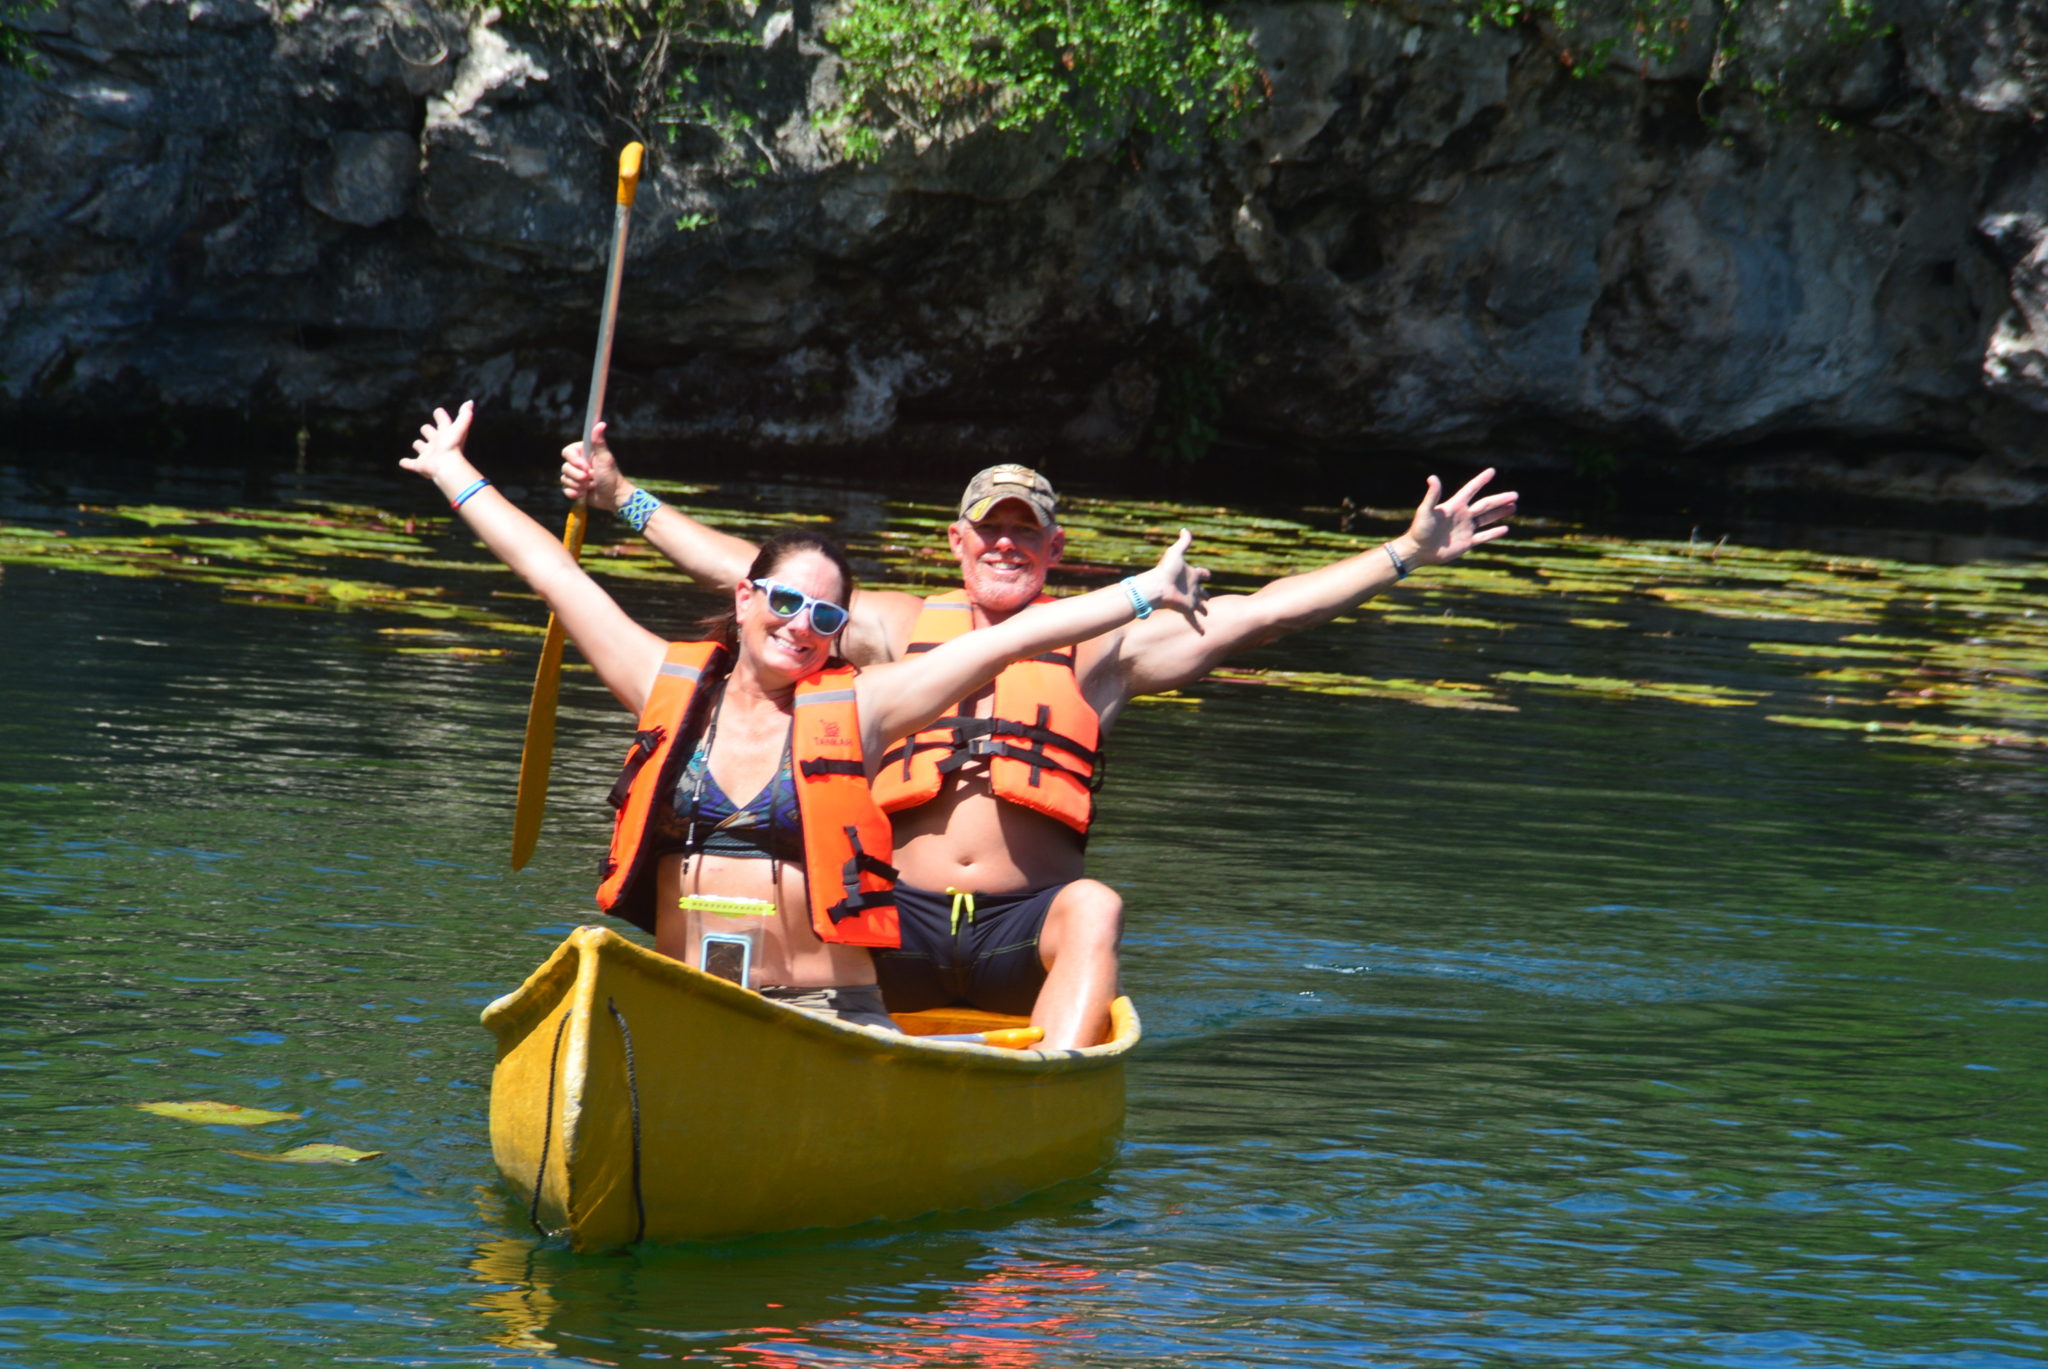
(653, 1102)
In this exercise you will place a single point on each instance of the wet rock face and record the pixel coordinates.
(1431, 239)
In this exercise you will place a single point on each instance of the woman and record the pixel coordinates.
(785, 890)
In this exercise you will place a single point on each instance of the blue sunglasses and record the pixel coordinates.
(785, 601)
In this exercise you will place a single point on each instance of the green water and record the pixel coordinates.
(1593, 1026)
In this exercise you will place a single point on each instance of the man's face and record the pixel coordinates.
(1004, 557)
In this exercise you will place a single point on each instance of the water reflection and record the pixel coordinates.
(921, 1294)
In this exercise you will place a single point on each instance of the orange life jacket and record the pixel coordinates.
(847, 873)
(1039, 742)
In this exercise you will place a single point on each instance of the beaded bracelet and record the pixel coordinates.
(1139, 605)
(1400, 566)
(459, 500)
(635, 512)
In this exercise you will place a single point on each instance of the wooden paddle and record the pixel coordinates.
(547, 681)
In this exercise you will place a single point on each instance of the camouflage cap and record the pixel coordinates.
(992, 486)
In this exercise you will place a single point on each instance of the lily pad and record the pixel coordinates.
(1947, 657)
(1671, 691)
(212, 1114)
(1459, 694)
(319, 1153)
(1820, 651)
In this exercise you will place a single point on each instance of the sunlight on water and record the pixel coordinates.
(1643, 1014)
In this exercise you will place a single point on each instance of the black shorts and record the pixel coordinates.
(987, 959)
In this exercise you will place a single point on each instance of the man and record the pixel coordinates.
(991, 806)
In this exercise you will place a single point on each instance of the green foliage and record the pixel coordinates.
(17, 47)
(614, 18)
(645, 52)
(1657, 28)
(1852, 21)
(1098, 70)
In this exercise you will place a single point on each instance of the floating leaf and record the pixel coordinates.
(1427, 619)
(1918, 734)
(1676, 691)
(218, 1114)
(1460, 694)
(1947, 657)
(1171, 698)
(318, 1154)
(1821, 651)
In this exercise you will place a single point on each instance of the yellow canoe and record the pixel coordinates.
(635, 1098)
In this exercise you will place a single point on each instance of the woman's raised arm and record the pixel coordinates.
(905, 696)
(624, 654)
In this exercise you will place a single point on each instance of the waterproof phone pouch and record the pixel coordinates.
(727, 933)
(727, 957)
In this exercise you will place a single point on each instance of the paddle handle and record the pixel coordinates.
(601, 364)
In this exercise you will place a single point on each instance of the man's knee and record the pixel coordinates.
(1087, 913)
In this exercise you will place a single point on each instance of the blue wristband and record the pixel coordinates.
(459, 500)
(635, 512)
(1138, 603)
(1400, 566)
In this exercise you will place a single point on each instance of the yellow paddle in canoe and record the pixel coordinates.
(547, 681)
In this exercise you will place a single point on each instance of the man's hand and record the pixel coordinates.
(593, 478)
(1445, 531)
(1175, 584)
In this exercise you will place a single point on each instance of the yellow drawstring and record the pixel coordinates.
(961, 899)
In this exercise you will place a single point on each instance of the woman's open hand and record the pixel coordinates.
(440, 442)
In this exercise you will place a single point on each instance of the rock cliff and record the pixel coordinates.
(1431, 239)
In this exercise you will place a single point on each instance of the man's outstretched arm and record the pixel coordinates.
(879, 629)
(1168, 651)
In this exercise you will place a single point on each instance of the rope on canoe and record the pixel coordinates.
(633, 1095)
(547, 1124)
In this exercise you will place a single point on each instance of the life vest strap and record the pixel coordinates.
(828, 766)
(857, 899)
(645, 743)
(1045, 736)
(861, 903)
(972, 735)
(909, 750)
(1038, 760)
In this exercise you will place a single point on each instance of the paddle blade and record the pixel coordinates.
(539, 751)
